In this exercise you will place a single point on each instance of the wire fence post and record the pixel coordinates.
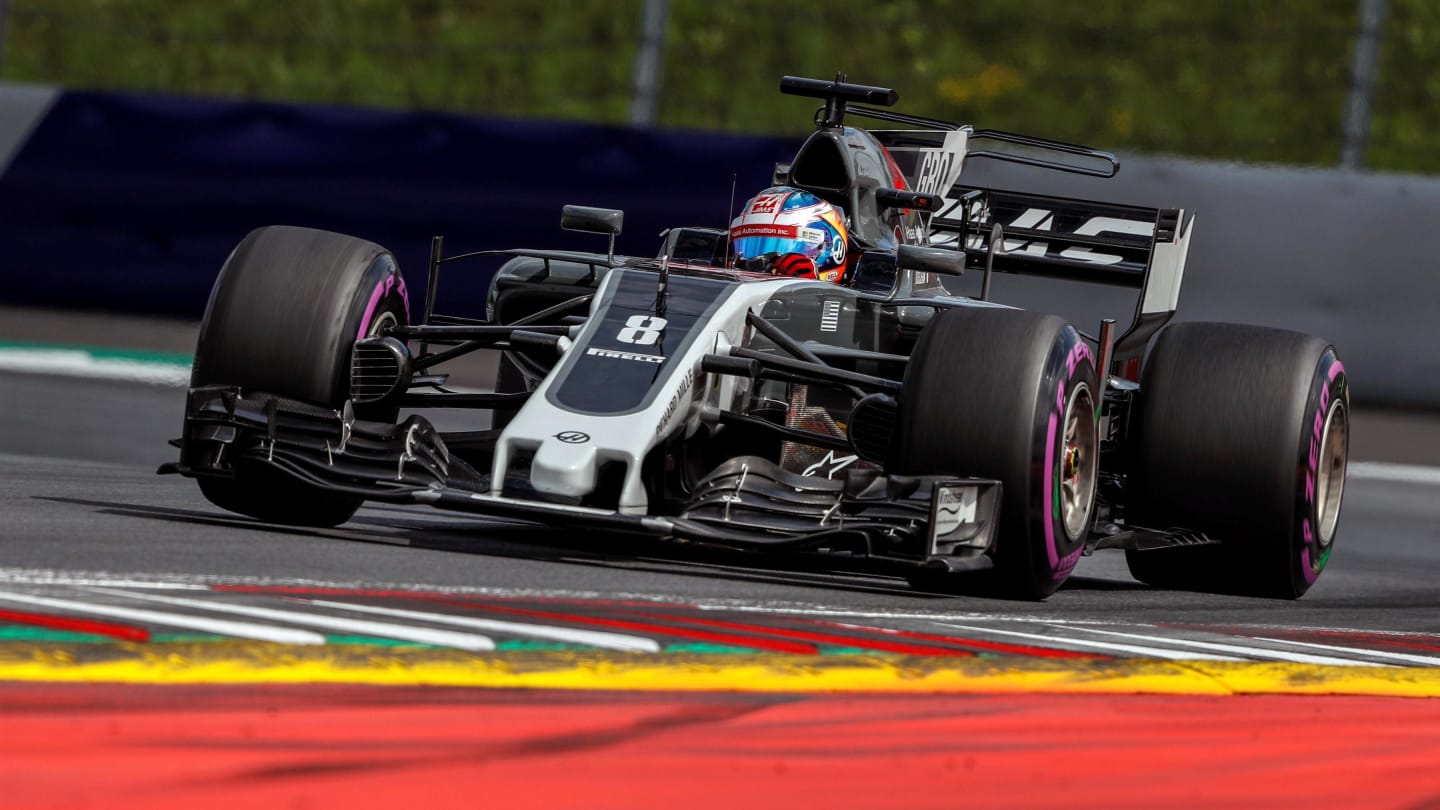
(649, 61)
(1363, 69)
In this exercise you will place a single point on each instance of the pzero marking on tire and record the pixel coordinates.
(382, 289)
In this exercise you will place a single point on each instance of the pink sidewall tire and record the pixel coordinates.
(1012, 395)
(1242, 434)
(283, 315)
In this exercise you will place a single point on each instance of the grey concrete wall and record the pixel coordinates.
(21, 107)
(1351, 257)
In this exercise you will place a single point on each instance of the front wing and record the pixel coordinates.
(943, 523)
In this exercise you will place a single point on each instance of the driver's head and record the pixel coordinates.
(791, 232)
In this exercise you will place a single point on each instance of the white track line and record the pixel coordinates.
(1237, 649)
(260, 632)
(12, 577)
(80, 363)
(1133, 649)
(797, 609)
(403, 632)
(1402, 473)
(609, 641)
(1409, 658)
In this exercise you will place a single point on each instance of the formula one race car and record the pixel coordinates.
(881, 420)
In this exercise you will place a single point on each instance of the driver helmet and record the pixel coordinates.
(788, 231)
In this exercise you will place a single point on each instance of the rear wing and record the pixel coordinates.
(1083, 240)
(1080, 240)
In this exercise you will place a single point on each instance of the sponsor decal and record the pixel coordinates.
(765, 204)
(829, 465)
(956, 507)
(812, 235)
(1041, 219)
(675, 401)
(616, 354)
(830, 316)
(1037, 219)
(934, 169)
(1098, 225)
(765, 229)
(572, 437)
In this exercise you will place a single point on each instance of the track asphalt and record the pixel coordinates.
(174, 716)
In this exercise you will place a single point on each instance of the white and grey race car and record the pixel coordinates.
(882, 420)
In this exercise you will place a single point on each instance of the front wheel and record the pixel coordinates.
(1012, 395)
(287, 308)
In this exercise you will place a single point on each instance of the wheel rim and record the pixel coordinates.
(383, 321)
(1078, 461)
(1330, 471)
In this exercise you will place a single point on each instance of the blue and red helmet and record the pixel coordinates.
(786, 224)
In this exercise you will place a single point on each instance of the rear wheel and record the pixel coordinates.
(287, 308)
(1243, 434)
(1012, 395)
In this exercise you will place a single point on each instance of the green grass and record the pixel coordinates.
(1254, 81)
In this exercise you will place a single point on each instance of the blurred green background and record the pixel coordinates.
(1252, 81)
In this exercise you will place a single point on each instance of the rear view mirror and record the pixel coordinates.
(922, 259)
(900, 198)
(591, 220)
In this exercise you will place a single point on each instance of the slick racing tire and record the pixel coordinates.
(287, 308)
(1243, 435)
(1011, 395)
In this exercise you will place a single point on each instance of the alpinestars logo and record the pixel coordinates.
(829, 465)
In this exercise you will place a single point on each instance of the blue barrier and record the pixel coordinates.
(133, 202)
